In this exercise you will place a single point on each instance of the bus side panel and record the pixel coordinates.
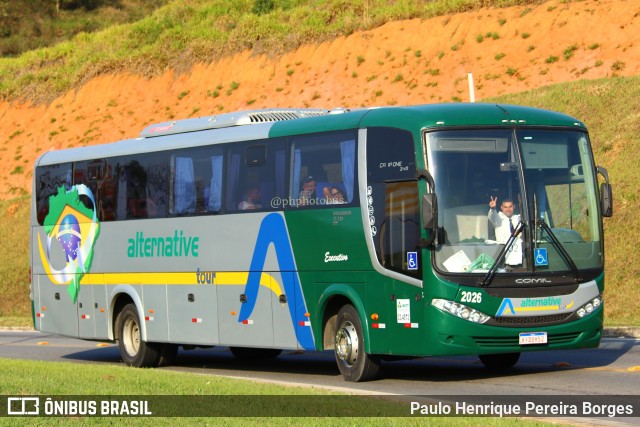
(54, 307)
(93, 309)
(381, 312)
(284, 335)
(58, 312)
(101, 311)
(409, 330)
(156, 315)
(193, 314)
(255, 331)
(86, 312)
(36, 304)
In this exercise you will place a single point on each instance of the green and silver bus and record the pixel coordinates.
(367, 232)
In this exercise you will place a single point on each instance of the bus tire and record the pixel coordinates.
(354, 363)
(247, 353)
(499, 362)
(133, 350)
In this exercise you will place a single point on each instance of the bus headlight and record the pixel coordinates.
(589, 307)
(459, 310)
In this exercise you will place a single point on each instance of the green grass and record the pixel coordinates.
(62, 378)
(14, 268)
(16, 321)
(181, 34)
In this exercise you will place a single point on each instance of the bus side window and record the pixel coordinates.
(136, 190)
(107, 192)
(158, 186)
(99, 177)
(49, 180)
(255, 176)
(394, 212)
(324, 170)
(213, 192)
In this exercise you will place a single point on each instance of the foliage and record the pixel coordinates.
(181, 34)
(14, 269)
(260, 7)
(31, 24)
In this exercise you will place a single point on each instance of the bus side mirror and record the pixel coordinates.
(430, 216)
(606, 196)
(429, 211)
(429, 208)
(606, 200)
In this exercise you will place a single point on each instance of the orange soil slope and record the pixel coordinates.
(403, 62)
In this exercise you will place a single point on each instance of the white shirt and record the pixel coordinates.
(501, 224)
(502, 227)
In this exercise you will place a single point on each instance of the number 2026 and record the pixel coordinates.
(471, 297)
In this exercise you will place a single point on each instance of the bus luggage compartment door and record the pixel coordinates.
(193, 316)
(251, 327)
(55, 310)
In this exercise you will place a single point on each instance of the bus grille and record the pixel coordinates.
(278, 116)
(494, 342)
(531, 320)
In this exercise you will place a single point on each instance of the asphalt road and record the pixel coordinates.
(612, 369)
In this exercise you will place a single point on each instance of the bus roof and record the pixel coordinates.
(432, 116)
(239, 118)
(261, 124)
(186, 133)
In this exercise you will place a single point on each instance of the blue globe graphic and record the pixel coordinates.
(69, 236)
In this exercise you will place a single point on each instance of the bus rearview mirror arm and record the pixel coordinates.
(429, 207)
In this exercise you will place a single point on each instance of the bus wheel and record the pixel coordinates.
(499, 362)
(353, 362)
(246, 353)
(133, 350)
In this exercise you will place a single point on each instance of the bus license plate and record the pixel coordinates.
(533, 338)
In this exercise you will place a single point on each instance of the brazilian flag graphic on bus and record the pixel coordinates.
(75, 227)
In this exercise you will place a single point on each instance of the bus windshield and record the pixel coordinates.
(533, 185)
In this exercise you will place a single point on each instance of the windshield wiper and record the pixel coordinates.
(563, 252)
(488, 278)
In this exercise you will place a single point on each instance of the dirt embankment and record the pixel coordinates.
(403, 62)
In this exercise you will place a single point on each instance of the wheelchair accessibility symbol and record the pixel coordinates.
(412, 260)
(540, 256)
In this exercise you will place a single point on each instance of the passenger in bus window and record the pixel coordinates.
(334, 196)
(251, 199)
(308, 193)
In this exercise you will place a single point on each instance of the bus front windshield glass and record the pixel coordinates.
(483, 198)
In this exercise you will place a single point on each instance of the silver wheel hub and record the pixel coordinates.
(347, 343)
(131, 337)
